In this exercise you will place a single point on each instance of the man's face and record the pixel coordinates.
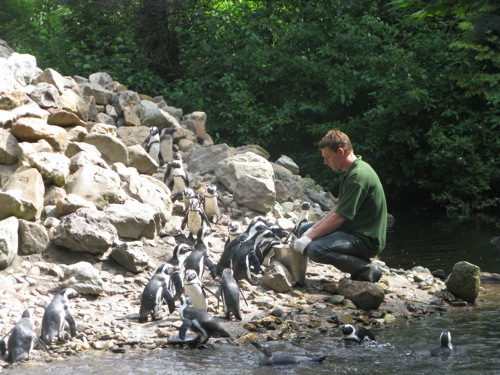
(331, 158)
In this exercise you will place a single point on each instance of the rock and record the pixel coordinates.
(131, 136)
(366, 296)
(196, 123)
(288, 163)
(22, 197)
(277, 278)
(257, 194)
(127, 102)
(84, 158)
(77, 133)
(74, 103)
(84, 278)
(46, 96)
(25, 149)
(112, 149)
(31, 129)
(53, 167)
(147, 189)
(86, 230)
(99, 93)
(70, 203)
(33, 238)
(139, 159)
(31, 109)
(12, 94)
(76, 147)
(6, 117)
(154, 116)
(204, 159)
(8, 147)
(8, 241)
(131, 256)
(133, 219)
(53, 77)
(464, 281)
(65, 119)
(23, 67)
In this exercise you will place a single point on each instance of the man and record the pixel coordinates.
(355, 229)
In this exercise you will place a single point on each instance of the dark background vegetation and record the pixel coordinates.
(419, 96)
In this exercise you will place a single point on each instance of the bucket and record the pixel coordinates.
(295, 262)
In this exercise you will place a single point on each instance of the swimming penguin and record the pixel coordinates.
(56, 314)
(166, 153)
(193, 287)
(200, 256)
(152, 143)
(194, 218)
(155, 292)
(211, 203)
(199, 322)
(176, 178)
(230, 294)
(22, 339)
(445, 348)
(266, 357)
(303, 217)
(178, 258)
(356, 333)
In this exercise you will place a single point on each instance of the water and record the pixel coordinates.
(414, 239)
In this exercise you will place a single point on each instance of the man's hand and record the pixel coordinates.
(300, 244)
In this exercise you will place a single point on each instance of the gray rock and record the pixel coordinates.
(464, 281)
(53, 77)
(149, 190)
(46, 96)
(131, 256)
(203, 160)
(33, 238)
(288, 163)
(53, 167)
(154, 116)
(84, 278)
(70, 203)
(112, 149)
(127, 101)
(257, 194)
(133, 219)
(74, 103)
(12, 94)
(99, 93)
(33, 129)
(277, 278)
(25, 149)
(139, 159)
(366, 296)
(23, 67)
(9, 241)
(8, 147)
(86, 230)
(84, 158)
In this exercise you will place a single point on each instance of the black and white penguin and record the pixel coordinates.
(211, 203)
(267, 358)
(152, 143)
(155, 292)
(356, 333)
(176, 178)
(445, 348)
(56, 314)
(264, 246)
(194, 218)
(199, 322)
(194, 289)
(187, 194)
(22, 339)
(230, 294)
(179, 255)
(233, 230)
(303, 216)
(200, 256)
(166, 153)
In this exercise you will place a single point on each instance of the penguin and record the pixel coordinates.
(234, 229)
(194, 218)
(152, 143)
(445, 348)
(264, 248)
(230, 294)
(193, 287)
(356, 333)
(56, 314)
(211, 204)
(199, 321)
(266, 357)
(176, 177)
(155, 292)
(22, 339)
(303, 217)
(187, 194)
(199, 257)
(178, 258)
(166, 153)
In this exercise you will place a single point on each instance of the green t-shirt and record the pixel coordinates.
(362, 203)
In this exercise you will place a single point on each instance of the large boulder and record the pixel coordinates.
(8, 147)
(12, 94)
(204, 159)
(99, 93)
(149, 190)
(46, 96)
(257, 194)
(84, 278)
(74, 103)
(133, 219)
(8, 241)
(366, 296)
(25, 149)
(112, 149)
(52, 77)
(154, 116)
(139, 159)
(86, 230)
(53, 167)
(131, 256)
(464, 281)
(31, 129)
(33, 238)
(23, 66)
(23, 194)
(98, 185)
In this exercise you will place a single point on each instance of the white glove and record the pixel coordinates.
(299, 245)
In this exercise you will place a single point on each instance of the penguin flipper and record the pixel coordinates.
(72, 324)
(254, 260)
(3, 347)
(39, 342)
(167, 296)
(211, 266)
(184, 327)
(177, 285)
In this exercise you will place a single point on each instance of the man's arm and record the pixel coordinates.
(331, 222)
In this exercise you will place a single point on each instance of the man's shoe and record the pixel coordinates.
(370, 273)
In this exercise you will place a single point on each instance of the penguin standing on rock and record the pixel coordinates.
(193, 287)
(56, 314)
(166, 146)
(211, 203)
(230, 294)
(194, 218)
(199, 257)
(22, 339)
(200, 322)
(152, 143)
(178, 258)
(176, 177)
(155, 292)
(356, 333)
(267, 358)
(445, 348)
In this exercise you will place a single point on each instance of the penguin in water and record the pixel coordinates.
(56, 314)
(200, 322)
(22, 339)
(199, 257)
(155, 292)
(230, 294)
(445, 348)
(166, 153)
(194, 289)
(178, 258)
(194, 218)
(211, 204)
(356, 333)
(176, 177)
(152, 143)
(267, 358)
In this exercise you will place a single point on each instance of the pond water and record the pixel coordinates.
(414, 239)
